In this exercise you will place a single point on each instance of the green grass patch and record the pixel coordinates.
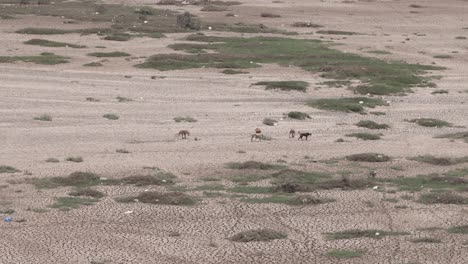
(356, 104)
(210, 187)
(440, 161)
(306, 25)
(300, 86)
(289, 200)
(379, 76)
(357, 233)
(459, 135)
(231, 71)
(252, 189)
(44, 58)
(118, 36)
(344, 254)
(336, 83)
(442, 56)
(253, 165)
(463, 229)
(43, 117)
(379, 52)
(377, 113)
(54, 44)
(365, 136)
(7, 211)
(74, 159)
(246, 178)
(426, 240)
(214, 8)
(67, 203)
(87, 192)
(109, 54)
(337, 32)
(369, 157)
(93, 64)
(432, 182)
(430, 122)
(185, 119)
(169, 198)
(298, 115)
(43, 31)
(371, 124)
(442, 198)
(256, 235)
(7, 169)
(111, 116)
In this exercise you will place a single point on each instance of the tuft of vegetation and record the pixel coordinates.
(337, 32)
(123, 151)
(371, 124)
(7, 169)
(291, 181)
(214, 8)
(356, 104)
(188, 21)
(67, 203)
(231, 71)
(270, 122)
(379, 52)
(123, 99)
(111, 116)
(7, 211)
(369, 157)
(357, 233)
(364, 136)
(298, 115)
(285, 85)
(459, 135)
(43, 117)
(52, 160)
(440, 91)
(425, 240)
(87, 192)
(44, 58)
(344, 254)
(170, 198)
(377, 113)
(306, 25)
(161, 178)
(442, 198)
(93, 64)
(118, 36)
(43, 31)
(256, 235)
(289, 200)
(463, 229)
(109, 54)
(54, 44)
(185, 119)
(253, 165)
(430, 122)
(379, 76)
(74, 159)
(440, 161)
(442, 56)
(271, 15)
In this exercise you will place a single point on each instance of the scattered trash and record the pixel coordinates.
(377, 234)
(361, 102)
(210, 28)
(136, 200)
(103, 179)
(145, 22)
(375, 187)
(128, 212)
(8, 219)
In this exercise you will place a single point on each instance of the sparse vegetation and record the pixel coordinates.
(380, 77)
(371, 124)
(118, 36)
(52, 160)
(231, 71)
(185, 119)
(306, 24)
(440, 161)
(377, 113)
(111, 116)
(87, 192)
(356, 104)
(93, 64)
(356, 233)
(7, 211)
(425, 240)
(440, 91)
(252, 189)
(49, 43)
(430, 122)
(463, 229)
(123, 151)
(285, 85)
(344, 254)
(452, 180)
(213, 8)
(256, 235)
(459, 135)
(109, 54)
(43, 117)
(188, 21)
(44, 58)
(364, 136)
(74, 159)
(253, 165)
(442, 56)
(271, 15)
(169, 198)
(75, 179)
(379, 52)
(337, 32)
(123, 99)
(270, 121)
(442, 198)
(289, 200)
(298, 115)
(43, 31)
(7, 169)
(67, 203)
(368, 157)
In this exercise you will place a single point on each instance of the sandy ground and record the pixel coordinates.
(228, 109)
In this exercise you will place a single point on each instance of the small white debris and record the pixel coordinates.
(377, 233)
(164, 181)
(379, 156)
(210, 28)
(251, 62)
(136, 200)
(275, 124)
(361, 102)
(128, 212)
(103, 179)
(141, 98)
(97, 13)
(146, 190)
(145, 21)
(388, 102)
(375, 187)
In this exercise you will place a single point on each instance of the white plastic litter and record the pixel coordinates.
(128, 212)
